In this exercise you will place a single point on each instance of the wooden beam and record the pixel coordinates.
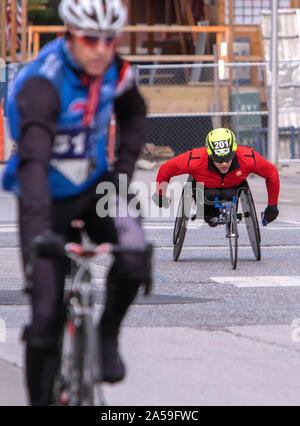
(189, 17)
(47, 28)
(295, 4)
(35, 31)
(221, 12)
(133, 21)
(251, 58)
(176, 28)
(179, 21)
(231, 23)
(246, 28)
(143, 28)
(36, 43)
(168, 12)
(29, 44)
(150, 21)
(2, 29)
(24, 30)
(217, 93)
(231, 40)
(168, 58)
(13, 36)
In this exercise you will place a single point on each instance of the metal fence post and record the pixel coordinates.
(273, 90)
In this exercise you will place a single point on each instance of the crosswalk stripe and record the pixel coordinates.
(222, 247)
(170, 226)
(259, 281)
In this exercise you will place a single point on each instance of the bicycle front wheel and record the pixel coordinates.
(91, 392)
(67, 384)
(233, 237)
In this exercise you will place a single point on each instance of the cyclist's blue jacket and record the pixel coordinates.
(60, 118)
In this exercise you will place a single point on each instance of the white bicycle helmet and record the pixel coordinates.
(97, 15)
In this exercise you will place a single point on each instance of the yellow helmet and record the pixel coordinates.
(221, 145)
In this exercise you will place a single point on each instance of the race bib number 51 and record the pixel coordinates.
(72, 144)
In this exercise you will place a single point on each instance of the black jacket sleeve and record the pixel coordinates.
(130, 112)
(38, 104)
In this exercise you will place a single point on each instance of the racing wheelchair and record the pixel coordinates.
(229, 216)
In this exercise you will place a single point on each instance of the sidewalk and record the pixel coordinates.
(11, 385)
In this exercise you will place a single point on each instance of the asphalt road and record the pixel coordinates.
(208, 335)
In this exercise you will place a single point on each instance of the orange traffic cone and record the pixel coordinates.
(112, 141)
(2, 130)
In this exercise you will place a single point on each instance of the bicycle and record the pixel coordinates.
(228, 216)
(79, 378)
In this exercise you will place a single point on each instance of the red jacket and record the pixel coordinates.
(198, 164)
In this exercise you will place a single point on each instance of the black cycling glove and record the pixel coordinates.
(271, 213)
(48, 244)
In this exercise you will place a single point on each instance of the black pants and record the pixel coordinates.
(222, 194)
(124, 278)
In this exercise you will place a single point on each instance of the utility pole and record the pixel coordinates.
(273, 89)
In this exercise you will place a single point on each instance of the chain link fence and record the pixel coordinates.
(185, 102)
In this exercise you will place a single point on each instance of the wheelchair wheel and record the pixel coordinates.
(251, 221)
(178, 220)
(181, 222)
(233, 236)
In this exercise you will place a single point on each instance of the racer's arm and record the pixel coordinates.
(130, 112)
(38, 105)
(267, 170)
(178, 165)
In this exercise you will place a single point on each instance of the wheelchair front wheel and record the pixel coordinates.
(251, 221)
(182, 219)
(179, 230)
(233, 236)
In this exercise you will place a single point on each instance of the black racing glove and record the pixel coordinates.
(161, 200)
(271, 213)
(48, 244)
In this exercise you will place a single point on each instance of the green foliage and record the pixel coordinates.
(44, 12)
(38, 15)
(36, 2)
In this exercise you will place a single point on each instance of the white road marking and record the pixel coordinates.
(226, 247)
(198, 224)
(6, 228)
(259, 281)
(292, 222)
(290, 225)
(280, 228)
(191, 225)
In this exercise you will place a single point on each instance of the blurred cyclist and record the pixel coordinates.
(222, 166)
(60, 108)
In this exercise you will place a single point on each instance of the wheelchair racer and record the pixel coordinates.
(222, 166)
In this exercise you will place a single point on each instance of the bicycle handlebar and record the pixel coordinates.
(80, 251)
